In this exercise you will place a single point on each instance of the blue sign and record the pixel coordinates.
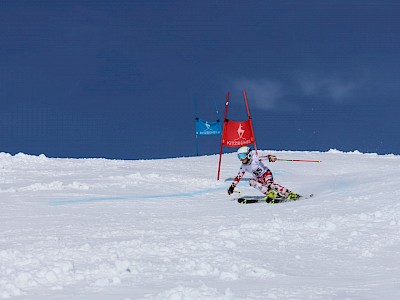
(208, 128)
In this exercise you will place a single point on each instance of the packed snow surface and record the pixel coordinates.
(166, 229)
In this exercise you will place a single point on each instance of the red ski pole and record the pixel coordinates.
(294, 160)
(299, 160)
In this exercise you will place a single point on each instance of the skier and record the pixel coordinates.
(262, 177)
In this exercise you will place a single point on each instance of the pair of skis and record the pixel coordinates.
(263, 199)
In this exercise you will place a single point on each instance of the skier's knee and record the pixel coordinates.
(252, 182)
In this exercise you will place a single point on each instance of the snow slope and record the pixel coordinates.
(166, 229)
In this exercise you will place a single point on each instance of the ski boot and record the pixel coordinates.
(273, 197)
(292, 196)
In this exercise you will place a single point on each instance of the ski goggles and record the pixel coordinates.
(242, 156)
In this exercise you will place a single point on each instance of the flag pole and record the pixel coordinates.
(197, 138)
(196, 120)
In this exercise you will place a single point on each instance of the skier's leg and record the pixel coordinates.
(262, 187)
(263, 184)
(282, 192)
(268, 180)
(269, 188)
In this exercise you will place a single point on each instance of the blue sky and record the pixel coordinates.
(117, 79)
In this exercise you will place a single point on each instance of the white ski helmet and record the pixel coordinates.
(244, 152)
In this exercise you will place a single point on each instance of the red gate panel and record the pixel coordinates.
(237, 133)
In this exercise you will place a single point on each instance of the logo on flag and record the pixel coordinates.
(207, 128)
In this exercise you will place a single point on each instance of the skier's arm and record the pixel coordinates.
(236, 180)
(238, 177)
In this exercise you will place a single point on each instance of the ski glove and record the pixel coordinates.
(230, 189)
(271, 158)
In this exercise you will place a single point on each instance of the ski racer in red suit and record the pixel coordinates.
(262, 176)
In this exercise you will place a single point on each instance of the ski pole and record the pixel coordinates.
(237, 192)
(299, 160)
(294, 160)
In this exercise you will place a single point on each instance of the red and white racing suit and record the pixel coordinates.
(262, 177)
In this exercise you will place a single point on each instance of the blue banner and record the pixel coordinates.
(208, 128)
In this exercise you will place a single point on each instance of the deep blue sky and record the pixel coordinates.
(117, 79)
